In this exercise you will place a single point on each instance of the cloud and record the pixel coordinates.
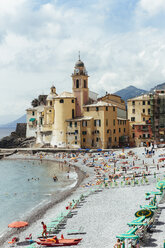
(40, 40)
(152, 7)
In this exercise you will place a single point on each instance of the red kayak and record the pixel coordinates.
(51, 242)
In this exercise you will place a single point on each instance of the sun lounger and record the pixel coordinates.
(149, 207)
(76, 231)
(138, 222)
(129, 234)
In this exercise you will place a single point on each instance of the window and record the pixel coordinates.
(143, 110)
(148, 135)
(72, 113)
(133, 103)
(75, 142)
(133, 135)
(114, 130)
(77, 83)
(70, 124)
(115, 139)
(75, 137)
(113, 108)
(72, 100)
(61, 101)
(114, 122)
(33, 113)
(83, 139)
(97, 123)
(144, 103)
(124, 130)
(149, 111)
(97, 139)
(106, 108)
(85, 84)
(84, 123)
(133, 126)
(108, 131)
(76, 131)
(106, 122)
(132, 118)
(75, 124)
(133, 111)
(148, 102)
(50, 110)
(84, 132)
(50, 103)
(97, 108)
(144, 118)
(144, 135)
(119, 130)
(87, 109)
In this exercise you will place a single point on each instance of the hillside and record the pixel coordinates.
(13, 124)
(130, 92)
(158, 87)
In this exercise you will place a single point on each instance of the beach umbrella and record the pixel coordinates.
(148, 213)
(99, 150)
(160, 184)
(18, 224)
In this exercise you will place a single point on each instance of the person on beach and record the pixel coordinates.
(118, 244)
(44, 229)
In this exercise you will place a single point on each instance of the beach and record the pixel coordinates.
(106, 210)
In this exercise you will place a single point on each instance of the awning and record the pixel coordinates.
(32, 119)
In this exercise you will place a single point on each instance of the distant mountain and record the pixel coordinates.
(158, 87)
(130, 92)
(13, 124)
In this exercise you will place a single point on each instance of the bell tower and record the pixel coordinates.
(80, 86)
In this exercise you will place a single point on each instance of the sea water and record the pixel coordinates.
(27, 184)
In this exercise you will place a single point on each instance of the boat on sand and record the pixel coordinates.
(51, 242)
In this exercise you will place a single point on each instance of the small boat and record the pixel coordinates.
(51, 242)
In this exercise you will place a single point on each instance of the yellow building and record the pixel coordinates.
(79, 120)
(139, 115)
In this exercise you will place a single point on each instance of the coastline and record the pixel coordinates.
(41, 211)
(103, 214)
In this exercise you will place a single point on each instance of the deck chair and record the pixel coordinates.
(29, 237)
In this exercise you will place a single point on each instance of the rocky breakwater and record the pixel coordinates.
(15, 141)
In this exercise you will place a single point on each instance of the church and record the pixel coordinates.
(79, 119)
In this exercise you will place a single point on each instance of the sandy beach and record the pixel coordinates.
(103, 213)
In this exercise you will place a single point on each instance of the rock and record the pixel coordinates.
(14, 141)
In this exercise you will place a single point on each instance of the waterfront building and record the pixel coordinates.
(157, 100)
(146, 116)
(79, 119)
(139, 115)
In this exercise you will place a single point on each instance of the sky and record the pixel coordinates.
(121, 43)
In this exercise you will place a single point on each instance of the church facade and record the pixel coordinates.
(78, 119)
